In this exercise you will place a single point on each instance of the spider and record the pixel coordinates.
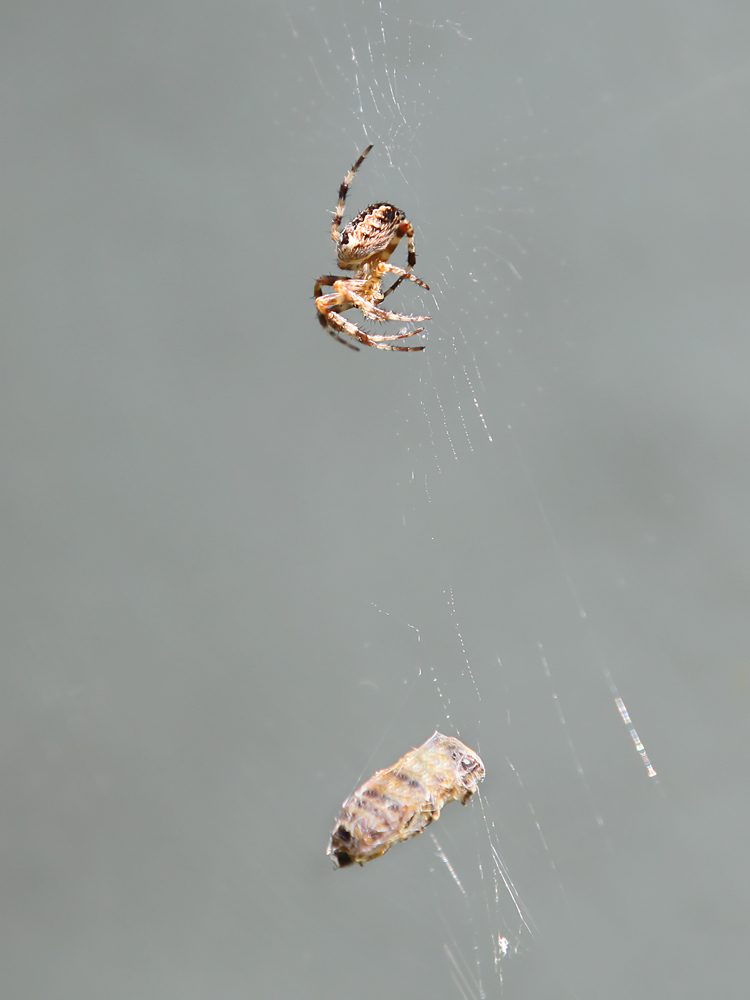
(365, 246)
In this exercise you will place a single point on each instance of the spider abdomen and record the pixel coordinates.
(369, 234)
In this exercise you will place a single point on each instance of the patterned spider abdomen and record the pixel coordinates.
(401, 801)
(369, 234)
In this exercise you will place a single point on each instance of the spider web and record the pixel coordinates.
(486, 608)
(245, 567)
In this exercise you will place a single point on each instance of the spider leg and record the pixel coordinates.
(324, 323)
(381, 315)
(412, 254)
(393, 287)
(396, 336)
(325, 279)
(326, 304)
(385, 268)
(393, 347)
(337, 321)
(342, 197)
(406, 229)
(372, 312)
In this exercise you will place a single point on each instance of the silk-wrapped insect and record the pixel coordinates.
(401, 801)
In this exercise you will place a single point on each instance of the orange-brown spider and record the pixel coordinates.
(365, 246)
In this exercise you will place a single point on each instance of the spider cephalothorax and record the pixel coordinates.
(365, 246)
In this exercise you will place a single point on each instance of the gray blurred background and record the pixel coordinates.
(244, 567)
